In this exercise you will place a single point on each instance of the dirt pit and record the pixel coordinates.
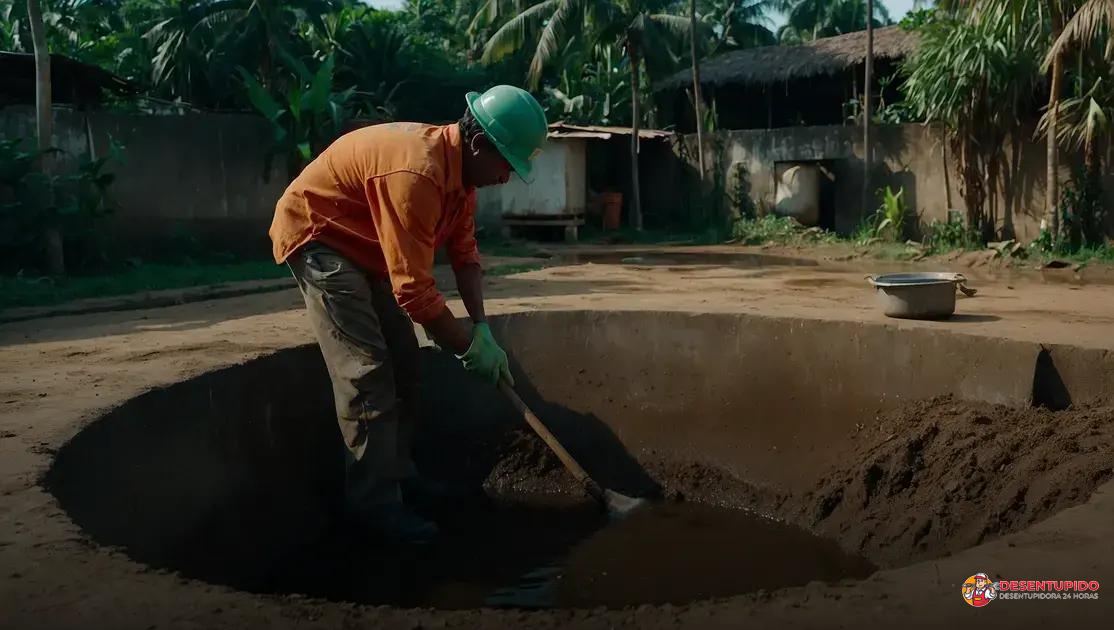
(779, 452)
(532, 553)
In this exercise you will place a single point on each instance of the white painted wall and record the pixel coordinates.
(558, 187)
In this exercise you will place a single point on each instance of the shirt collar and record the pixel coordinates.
(454, 150)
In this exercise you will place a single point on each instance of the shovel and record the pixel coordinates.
(616, 504)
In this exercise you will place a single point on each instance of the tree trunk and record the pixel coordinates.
(1092, 224)
(636, 201)
(696, 89)
(867, 77)
(1052, 175)
(56, 259)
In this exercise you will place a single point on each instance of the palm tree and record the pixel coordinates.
(806, 20)
(1072, 24)
(71, 27)
(1091, 22)
(178, 36)
(640, 27)
(739, 23)
(1076, 25)
(44, 125)
(976, 78)
(258, 34)
(732, 24)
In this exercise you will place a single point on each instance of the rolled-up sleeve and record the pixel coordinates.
(404, 208)
(460, 246)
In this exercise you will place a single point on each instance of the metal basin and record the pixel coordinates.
(923, 295)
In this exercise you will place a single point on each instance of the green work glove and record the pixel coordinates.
(485, 357)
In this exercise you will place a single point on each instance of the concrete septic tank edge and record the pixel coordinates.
(767, 400)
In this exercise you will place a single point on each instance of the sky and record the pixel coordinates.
(898, 8)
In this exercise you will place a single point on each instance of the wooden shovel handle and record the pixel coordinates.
(551, 441)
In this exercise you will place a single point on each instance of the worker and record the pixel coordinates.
(358, 229)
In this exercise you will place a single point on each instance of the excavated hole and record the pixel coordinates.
(779, 451)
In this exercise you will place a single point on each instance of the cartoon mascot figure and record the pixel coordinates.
(978, 590)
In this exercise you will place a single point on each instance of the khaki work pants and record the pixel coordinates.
(371, 351)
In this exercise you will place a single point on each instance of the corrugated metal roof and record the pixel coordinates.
(561, 129)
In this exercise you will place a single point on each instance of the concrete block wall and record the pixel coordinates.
(199, 175)
(913, 157)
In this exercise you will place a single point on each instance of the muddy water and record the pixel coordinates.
(553, 556)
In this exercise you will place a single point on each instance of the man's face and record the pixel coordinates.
(484, 165)
(980, 582)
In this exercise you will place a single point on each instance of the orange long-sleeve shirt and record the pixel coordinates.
(385, 197)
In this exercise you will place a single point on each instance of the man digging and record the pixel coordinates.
(358, 229)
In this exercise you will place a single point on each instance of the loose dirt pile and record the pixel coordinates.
(524, 466)
(942, 474)
(926, 480)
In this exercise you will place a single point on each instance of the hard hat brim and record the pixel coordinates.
(523, 168)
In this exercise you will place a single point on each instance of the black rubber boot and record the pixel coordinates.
(424, 494)
(394, 522)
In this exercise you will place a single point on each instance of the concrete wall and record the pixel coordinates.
(199, 174)
(913, 157)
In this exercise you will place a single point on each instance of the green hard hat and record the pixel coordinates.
(514, 122)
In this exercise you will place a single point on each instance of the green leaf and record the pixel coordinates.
(260, 98)
(319, 89)
(295, 64)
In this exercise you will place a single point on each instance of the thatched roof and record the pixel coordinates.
(773, 64)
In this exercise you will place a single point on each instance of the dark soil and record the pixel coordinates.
(943, 474)
(925, 480)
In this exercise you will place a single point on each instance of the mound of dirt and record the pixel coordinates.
(524, 466)
(928, 479)
(941, 475)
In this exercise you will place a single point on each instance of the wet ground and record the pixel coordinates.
(660, 258)
(537, 554)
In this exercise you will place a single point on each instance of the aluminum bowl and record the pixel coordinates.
(922, 295)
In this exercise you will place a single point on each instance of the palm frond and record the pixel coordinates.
(678, 26)
(1090, 21)
(485, 15)
(158, 31)
(512, 34)
(1084, 119)
(549, 42)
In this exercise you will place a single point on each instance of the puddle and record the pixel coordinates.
(659, 258)
(523, 556)
(678, 553)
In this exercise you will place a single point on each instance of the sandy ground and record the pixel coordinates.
(57, 374)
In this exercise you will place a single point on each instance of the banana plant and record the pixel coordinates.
(304, 119)
(890, 214)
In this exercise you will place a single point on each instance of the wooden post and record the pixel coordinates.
(769, 90)
(869, 70)
(696, 88)
(44, 127)
(1052, 173)
(636, 198)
